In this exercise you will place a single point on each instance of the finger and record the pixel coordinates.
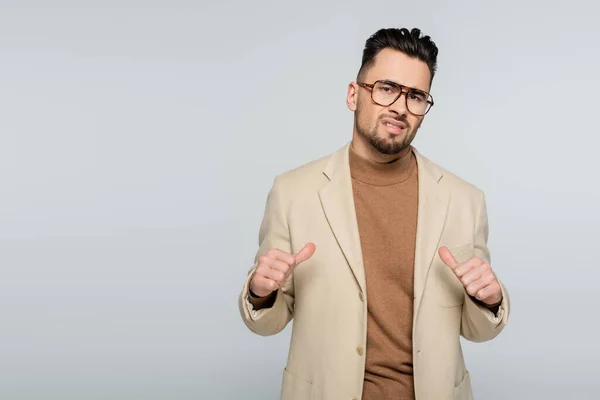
(447, 257)
(279, 266)
(475, 287)
(492, 300)
(471, 276)
(275, 275)
(265, 283)
(467, 266)
(306, 253)
(276, 254)
(490, 294)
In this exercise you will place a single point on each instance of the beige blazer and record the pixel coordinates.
(326, 297)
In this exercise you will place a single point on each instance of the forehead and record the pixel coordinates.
(396, 66)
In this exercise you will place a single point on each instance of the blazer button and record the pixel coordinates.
(361, 297)
(360, 350)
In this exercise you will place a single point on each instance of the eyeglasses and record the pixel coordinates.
(385, 93)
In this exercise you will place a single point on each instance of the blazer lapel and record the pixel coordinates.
(337, 201)
(431, 218)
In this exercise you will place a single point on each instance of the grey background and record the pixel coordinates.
(138, 140)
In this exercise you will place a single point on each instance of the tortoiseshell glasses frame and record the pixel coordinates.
(386, 93)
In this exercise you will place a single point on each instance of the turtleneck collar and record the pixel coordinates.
(382, 174)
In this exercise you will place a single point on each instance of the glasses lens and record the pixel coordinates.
(385, 93)
(418, 102)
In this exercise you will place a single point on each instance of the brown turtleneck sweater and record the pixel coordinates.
(386, 199)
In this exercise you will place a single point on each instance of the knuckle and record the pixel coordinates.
(258, 281)
(261, 270)
(287, 258)
(262, 282)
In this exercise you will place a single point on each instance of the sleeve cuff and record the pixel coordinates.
(498, 316)
(254, 313)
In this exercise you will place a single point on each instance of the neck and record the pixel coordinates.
(375, 173)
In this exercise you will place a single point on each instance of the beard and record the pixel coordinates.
(384, 143)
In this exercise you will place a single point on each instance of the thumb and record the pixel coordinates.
(306, 253)
(447, 257)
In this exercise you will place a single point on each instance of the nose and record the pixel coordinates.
(399, 106)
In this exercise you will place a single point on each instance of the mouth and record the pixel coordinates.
(393, 126)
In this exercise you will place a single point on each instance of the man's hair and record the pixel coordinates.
(408, 42)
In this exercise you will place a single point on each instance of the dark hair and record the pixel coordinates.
(408, 42)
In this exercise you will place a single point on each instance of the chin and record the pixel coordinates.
(388, 145)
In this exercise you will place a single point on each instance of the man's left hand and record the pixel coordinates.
(476, 276)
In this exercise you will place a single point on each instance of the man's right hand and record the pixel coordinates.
(275, 267)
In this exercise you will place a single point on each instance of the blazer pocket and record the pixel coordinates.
(450, 292)
(294, 388)
(464, 391)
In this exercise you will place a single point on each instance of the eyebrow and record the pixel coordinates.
(400, 84)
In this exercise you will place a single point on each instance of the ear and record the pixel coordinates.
(351, 98)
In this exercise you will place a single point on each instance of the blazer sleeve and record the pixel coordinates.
(273, 233)
(478, 323)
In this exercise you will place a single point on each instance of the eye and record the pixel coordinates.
(417, 96)
(386, 88)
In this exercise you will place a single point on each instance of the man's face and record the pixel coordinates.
(391, 129)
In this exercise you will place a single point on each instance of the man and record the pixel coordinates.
(378, 255)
